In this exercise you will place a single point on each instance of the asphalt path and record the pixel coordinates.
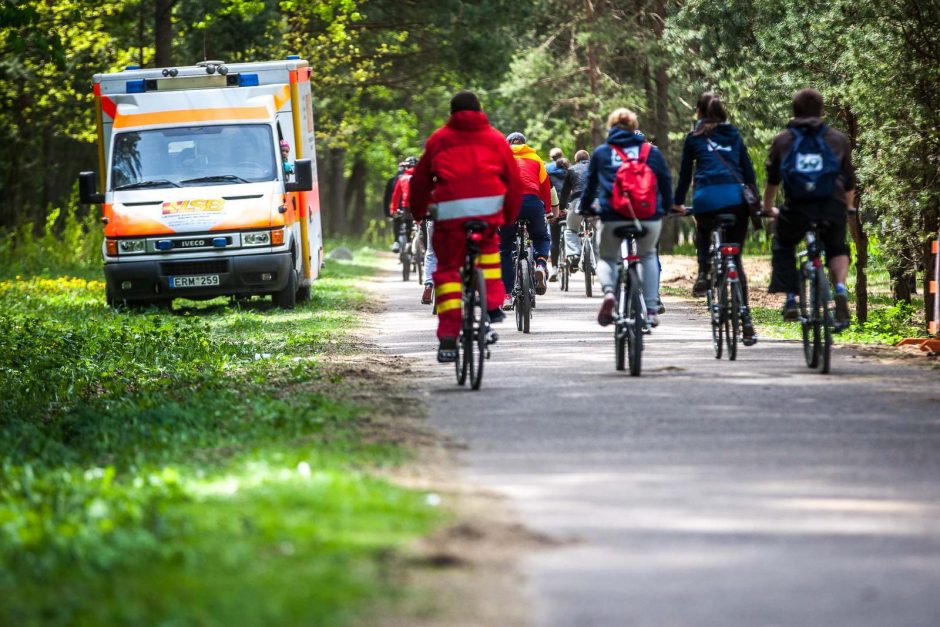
(754, 492)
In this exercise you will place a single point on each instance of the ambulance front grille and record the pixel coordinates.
(184, 268)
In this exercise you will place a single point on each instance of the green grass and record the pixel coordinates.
(192, 467)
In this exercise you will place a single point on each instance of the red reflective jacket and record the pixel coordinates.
(467, 172)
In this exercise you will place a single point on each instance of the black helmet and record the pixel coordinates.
(411, 162)
(515, 138)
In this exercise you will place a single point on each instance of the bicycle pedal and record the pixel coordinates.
(492, 337)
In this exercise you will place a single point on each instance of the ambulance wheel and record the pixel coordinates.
(287, 297)
(303, 294)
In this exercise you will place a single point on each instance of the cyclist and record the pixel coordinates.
(467, 172)
(578, 171)
(387, 200)
(399, 207)
(719, 157)
(561, 180)
(536, 203)
(814, 163)
(625, 141)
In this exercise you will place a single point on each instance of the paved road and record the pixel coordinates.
(702, 493)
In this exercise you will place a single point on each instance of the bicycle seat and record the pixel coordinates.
(629, 230)
(727, 219)
(474, 226)
(522, 222)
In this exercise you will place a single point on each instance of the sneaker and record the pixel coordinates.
(427, 294)
(843, 317)
(540, 272)
(553, 276)
(507, 304)
(573, 262)
(652, 318)
(662, 308)
(748, 338)
(396, 247)
(605, 317)
(701, 285)
(496, 315)
(791, 310)
(447, 351)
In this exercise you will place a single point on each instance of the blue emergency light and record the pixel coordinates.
(164, 244)
(248, 80)
(220, 242)
(136, 87)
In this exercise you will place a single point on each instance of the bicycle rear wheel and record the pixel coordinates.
(825, 319)
(809, 321)
(714, 313)
(480, 320)
(405, 259)
(419, 267)
(734, 320)
(464, 363)
(620, 329)
(522, 298)
(635, 324)
(563, 275)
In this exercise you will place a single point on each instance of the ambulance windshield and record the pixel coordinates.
(194, 155)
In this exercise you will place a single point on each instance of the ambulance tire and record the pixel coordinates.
(303, 294)
(287, 297)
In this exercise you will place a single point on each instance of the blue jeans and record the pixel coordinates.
(533, 210)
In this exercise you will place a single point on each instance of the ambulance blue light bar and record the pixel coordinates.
(136, 87)
(248, 80)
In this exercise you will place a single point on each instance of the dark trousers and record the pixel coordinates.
(532, 210)
(792, 225)
(555, 229)
(736, 234)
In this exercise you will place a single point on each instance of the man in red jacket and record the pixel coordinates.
(467, 172)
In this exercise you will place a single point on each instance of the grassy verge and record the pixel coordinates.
(200, 466)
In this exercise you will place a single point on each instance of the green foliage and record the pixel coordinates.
(155, 462)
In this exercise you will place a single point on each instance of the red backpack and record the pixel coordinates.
(634, 191)
(404, 181)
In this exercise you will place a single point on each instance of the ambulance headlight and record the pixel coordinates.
(131, 246)
(260, 238)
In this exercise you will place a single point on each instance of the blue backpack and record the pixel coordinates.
(810, 169)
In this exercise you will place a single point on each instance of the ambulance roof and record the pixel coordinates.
(198, 77)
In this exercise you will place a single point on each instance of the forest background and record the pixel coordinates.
(385, 69)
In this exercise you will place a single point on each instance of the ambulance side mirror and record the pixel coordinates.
(87, 192)
(303, 177)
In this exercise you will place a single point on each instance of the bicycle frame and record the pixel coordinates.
(629, 258)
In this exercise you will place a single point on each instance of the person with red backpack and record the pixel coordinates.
(467, 172)
(628, 180)
(814, 163)
(399, 206)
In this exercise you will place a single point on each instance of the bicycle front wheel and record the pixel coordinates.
(405, 259)
(734, 320)
(635, 324)
(825, 322)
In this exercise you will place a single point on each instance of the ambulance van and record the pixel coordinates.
(197, 200)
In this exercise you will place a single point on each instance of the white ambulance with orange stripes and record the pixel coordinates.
(197, 200)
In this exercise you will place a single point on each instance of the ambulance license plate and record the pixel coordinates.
(200, 280)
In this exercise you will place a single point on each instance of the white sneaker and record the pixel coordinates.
(396, 247)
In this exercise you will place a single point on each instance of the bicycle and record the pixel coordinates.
(405, 255)
(630, 322)
(419, 249)
(523, 291)
(815, 297)
(588, 262)
(476, 336)
(724, 295)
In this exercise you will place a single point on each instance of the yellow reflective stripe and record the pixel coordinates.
(488, 258)
(492, 273)
(448, 288)
(447, 305)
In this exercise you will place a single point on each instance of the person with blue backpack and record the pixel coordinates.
(651, 193)
(814, 163)
(716, 151)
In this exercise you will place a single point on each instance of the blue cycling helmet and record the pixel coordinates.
(515, 138)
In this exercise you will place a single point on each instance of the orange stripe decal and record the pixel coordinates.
(281, 97)
(191, 115)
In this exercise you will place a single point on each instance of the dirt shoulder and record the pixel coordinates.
(465, 573)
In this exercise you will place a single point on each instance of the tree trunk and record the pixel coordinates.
(669, 237)
(163, 32)
(355, 187)
(337, 205)
(931, 226)
(597, 133)
(857, 229)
